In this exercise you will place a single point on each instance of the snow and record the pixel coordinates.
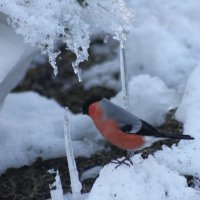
(31, 126)
(69, 196)
(183, 157)
(188, 111)
(165, 40)
(71, 25)
(91, 173)
(146, 179)
(15, 58)
(102, 75)
(149, 98)
(56, 190)
(11, 47)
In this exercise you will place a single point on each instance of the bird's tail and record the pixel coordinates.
(177, 136)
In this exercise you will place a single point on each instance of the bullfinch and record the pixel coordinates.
(121, 128)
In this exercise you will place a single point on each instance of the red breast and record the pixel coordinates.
(109, 129)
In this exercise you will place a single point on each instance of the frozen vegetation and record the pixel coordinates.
(163, 72)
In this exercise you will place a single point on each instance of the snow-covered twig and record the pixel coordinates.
(123, 72)
(75, 183)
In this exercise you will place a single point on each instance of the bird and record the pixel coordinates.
(122, 128)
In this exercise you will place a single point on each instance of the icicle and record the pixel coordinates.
(56, 188)
(52, 60)
(105, 39)
(77, 71)
(123, 72)
(75, 183)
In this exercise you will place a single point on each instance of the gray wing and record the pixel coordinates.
(127, 121)
(132, 124)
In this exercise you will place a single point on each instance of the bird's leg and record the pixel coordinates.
(124, 161)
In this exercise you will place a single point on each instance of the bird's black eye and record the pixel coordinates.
(88, 102)
(85, 109)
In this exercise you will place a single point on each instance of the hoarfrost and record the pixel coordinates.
(45, 23)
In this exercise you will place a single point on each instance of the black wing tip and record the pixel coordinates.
(177, 136)
(188, 137)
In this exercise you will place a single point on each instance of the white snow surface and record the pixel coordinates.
(146, 179)
(12, 48)
(56, 190)
(15, 58)
(91, 173)
(31, 126)
(164, 41)
(102, 75)
(69, 196)
(184, 156)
